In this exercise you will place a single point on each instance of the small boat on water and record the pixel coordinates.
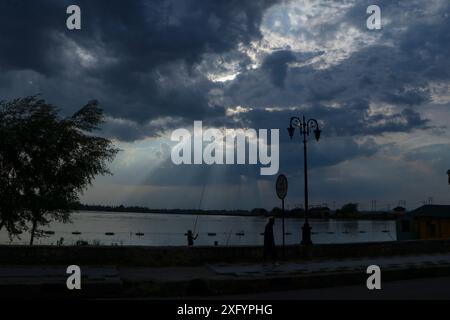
(212, 234)
(76, 233)
(139, 234)
(49, 232)
(109, 233)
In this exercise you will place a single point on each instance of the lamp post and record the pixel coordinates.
(306, 127)
(448, 173)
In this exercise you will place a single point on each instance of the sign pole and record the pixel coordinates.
(281, 187)
(282, 212)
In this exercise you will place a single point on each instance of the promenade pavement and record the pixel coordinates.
(96, 276)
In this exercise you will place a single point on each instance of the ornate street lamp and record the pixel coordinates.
(306, 127)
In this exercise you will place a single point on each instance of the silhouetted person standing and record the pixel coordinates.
(190, 238)
(269, 241)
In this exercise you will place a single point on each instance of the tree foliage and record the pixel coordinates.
(46, 161)
(350, 208)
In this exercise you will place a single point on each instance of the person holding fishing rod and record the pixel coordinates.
(190, 237)
(190, 234)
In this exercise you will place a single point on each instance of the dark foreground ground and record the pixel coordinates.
(416, 289)
(314, 272)
(329, 279)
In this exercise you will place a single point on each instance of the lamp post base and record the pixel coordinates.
(306, 234)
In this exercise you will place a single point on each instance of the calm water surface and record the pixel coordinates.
(169, 229)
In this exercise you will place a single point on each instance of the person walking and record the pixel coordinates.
(269, 241)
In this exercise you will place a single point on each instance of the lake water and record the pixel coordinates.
(170, 229)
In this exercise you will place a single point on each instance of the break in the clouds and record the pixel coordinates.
(381, 96)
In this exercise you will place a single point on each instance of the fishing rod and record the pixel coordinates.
(229, 235)
(199, 207)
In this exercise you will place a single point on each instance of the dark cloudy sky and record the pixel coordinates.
(382, 96)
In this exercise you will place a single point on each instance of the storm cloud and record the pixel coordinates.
(380, 96)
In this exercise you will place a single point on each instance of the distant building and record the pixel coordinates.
(426, 222)
(399, 210)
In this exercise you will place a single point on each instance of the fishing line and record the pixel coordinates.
(199, 207)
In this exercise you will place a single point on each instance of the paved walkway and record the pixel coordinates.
(34, 275)
(48, 275)
(395, 262)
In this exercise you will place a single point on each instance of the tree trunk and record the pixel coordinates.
(33, 231)
(2, 223)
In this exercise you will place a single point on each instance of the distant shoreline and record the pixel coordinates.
(170, 212)
(244, 213)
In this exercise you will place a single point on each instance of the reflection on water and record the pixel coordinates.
(168, 230)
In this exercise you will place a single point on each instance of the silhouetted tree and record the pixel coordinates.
(349, 208)
(259, 211)
(11, 152)
(48, 161)
(276, 211)
(298, 212)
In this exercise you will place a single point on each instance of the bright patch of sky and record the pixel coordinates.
(302, 26)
